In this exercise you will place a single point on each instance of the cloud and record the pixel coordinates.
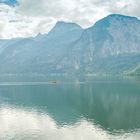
(13, 24)
(85, 12)
(31, 17)
(81, 11)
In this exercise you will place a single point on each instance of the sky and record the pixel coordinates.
(24, 18)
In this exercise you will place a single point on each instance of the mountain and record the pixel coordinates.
(110, 46)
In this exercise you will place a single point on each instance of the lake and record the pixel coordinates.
(85, 108)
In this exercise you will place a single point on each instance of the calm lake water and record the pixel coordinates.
(88, 108)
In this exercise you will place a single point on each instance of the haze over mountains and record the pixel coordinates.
(111, 46)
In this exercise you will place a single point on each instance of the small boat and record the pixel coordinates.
(54, 81)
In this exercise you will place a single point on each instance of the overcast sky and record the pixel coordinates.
(30, 17)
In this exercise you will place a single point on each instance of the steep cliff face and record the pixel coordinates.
(112, 45)
(117, 34)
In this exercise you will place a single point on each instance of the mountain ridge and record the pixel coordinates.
(110, 46)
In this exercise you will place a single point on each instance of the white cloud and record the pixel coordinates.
(83, 12)
(32, 17)
(13, 24)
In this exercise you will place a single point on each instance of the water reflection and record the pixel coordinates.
(32, 125)
(98, 109)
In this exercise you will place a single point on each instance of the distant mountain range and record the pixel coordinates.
(110, 46)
